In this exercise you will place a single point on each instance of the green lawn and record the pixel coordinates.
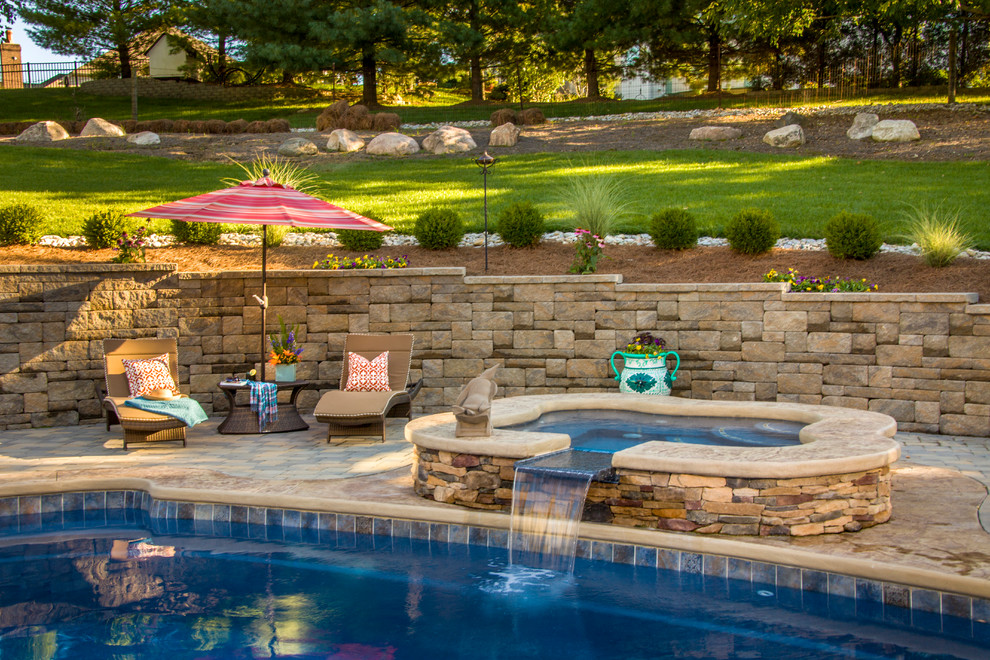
(801, 192)
(62, 104)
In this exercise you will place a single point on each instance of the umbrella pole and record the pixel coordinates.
(264, 298)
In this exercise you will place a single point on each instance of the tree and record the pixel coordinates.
(88, 28)
(213, 20)
(8, 10)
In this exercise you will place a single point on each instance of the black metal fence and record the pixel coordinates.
(49, 74)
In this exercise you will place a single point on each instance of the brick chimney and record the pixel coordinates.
(10, 58)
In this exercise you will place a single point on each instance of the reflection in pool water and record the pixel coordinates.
(381, 598)
(613, 430)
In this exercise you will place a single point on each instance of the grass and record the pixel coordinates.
(801, 192)
(61, 104)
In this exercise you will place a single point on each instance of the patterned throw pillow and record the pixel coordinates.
(364, 376)
(146, 375)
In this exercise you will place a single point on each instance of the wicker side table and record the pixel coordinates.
(242, 420)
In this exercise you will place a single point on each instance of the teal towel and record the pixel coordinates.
(185, 409)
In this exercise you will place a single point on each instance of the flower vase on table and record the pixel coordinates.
(645, 366)
(285, 352)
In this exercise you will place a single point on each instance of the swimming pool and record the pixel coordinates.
(376, 597)
(614, 430)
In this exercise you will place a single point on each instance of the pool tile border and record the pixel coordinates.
(872, 599)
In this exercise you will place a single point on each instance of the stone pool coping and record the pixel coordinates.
(835, 440)
(385, 503)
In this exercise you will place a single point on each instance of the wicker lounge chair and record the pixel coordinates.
(138, 425)
(352, 414)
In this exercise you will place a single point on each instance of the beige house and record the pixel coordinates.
(174, 55)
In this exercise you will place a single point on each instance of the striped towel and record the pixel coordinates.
(264, 399)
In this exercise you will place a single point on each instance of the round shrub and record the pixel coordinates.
(520, 225)
(20, 224)
(674, 229)
(752, 231)
(438, 229)
(199, 233)
(852, 236)
(360, 240)
(103, 228)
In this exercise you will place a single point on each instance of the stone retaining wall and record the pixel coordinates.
(171, 89)
(922, 358)
(805, 506)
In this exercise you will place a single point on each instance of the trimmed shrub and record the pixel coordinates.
(216, 126)
(278, 126)
(531, 116)
(385, 121)
(329, 119)
(180, 126)
(256, 127)
(673, 229)
(520, 225)
(503, 116)
(359, 240)
(103, 228)
(237, 126)
(197, 233)
(197, 126)
(130, 126)
(438, 229)
(852, 236)
(20, 224)
(752, 231)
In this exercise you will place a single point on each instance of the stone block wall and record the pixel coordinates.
(922, 358)
(172, 89)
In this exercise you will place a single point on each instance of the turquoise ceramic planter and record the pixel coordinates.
(646, 375)
(285, 373)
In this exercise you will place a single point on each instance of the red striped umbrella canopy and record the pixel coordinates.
(261, 202)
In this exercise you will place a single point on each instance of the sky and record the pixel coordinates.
(32, 53)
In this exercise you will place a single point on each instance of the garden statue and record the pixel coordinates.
(474, 404)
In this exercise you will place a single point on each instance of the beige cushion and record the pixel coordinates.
(337, 404)
(128, 414)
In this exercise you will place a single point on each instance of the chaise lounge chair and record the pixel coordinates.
(362, 413)
(138, 425)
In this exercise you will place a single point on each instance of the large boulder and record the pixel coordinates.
(895, 130)
(715, 133)
(790, 118)
(43, 131)
(97, 127)
(144, 138)
(788, 136)
(392, 144)
(344, 140)
(297, 147)
(449, 140)
(863, 126)
(506, 135)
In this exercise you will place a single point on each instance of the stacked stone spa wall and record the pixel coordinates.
(922, 358)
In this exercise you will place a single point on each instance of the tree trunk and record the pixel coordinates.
(952, 65)
(895, 55)
(477, 84)
(822, 50)
(369, 91)
(714, 61)
(591, 71)
(777, 84)
(915, 57)
(222, 57)
(287, 78)
(124, 53)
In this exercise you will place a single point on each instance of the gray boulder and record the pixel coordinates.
(97, 127)
(790, 118)
(43, 131)
(506, 135)
(895, 130)
(144, 138)
(344, 140)
(297, 147)
(863, 126)
(786, 137)
(449, 140)
(715, 133)
(392, 144)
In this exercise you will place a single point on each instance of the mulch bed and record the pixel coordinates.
(892, 272)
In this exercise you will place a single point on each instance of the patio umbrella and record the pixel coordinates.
(262, 202)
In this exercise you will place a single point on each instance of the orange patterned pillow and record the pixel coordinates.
(364, 376)
(146, 375)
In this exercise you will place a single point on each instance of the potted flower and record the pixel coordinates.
(285, 351)
(645, 366)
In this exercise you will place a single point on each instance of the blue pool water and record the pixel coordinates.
(612, 430)
(373, 597)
